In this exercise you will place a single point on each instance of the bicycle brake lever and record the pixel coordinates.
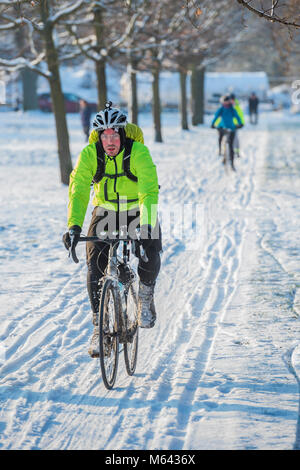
(72, 251)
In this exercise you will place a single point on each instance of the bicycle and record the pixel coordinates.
(118, 306)
(226, 143)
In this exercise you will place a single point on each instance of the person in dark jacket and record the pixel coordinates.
(253, 108)
(85, 115)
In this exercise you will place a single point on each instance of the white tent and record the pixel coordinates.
(215, 83)
(240, 83)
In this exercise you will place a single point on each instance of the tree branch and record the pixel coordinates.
(21, 63)
(65, 12)
(17, 22)
(272, 17)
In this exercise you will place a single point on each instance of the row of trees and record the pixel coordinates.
(140, 35)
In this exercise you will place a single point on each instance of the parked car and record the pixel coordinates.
(71, 103)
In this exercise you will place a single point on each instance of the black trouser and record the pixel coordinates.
(253, 116)
(97, 253)
(86, 131)
(231, 140)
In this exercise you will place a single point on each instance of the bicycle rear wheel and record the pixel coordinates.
(132, 336)
(224, 150)
(108, 334)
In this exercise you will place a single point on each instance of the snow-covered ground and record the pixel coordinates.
(221, 368)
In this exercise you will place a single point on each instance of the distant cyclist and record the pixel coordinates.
(227, 114)
(125, 193)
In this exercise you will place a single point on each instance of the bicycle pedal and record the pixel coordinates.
(125, 274)
(94, 355)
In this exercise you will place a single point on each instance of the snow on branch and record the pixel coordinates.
(86, 45)
(127, 32)
(17, 22)
(11, 3)
(71, 8)
(21, 63)
(264, 13)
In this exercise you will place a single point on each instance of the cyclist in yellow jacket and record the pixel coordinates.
(237, 107)
(126, 191)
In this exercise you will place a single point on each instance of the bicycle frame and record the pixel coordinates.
(225, 145)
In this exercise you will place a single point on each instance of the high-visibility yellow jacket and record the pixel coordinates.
(145, 190)
(239, 110)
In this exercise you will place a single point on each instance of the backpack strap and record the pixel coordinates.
(126, 160)
(100, 173)
(100, 163)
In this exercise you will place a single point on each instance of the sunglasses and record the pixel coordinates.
(114, 136)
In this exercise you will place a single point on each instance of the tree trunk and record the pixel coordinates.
(156, 108)
(101, 84)
(197, 92)
(57, 97)
(201, 94)
(183, 101)
(28, 77)
(100, 65)
(29, 85)
(133, 97)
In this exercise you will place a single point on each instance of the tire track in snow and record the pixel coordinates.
(35, 330)
(194, 359)
(200, 355)
(37, 348)
(169, 368)
(164, 395)
(159, 384)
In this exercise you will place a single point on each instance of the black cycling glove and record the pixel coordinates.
(72, 236)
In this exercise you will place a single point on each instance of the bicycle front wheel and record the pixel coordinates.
(108, 334)
(132, 337)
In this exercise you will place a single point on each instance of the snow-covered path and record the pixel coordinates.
(221, 368)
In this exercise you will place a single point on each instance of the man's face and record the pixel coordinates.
(111, 142)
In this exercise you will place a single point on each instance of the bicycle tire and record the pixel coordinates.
(108, 334)
(224, 150)
(131, 346)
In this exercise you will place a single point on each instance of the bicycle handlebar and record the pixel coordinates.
(72, 249)
(227, 129)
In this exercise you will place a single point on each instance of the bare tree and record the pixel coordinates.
(134, 51)
(205, 42)
(111, 29)
(159, 37)
(43, 57)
